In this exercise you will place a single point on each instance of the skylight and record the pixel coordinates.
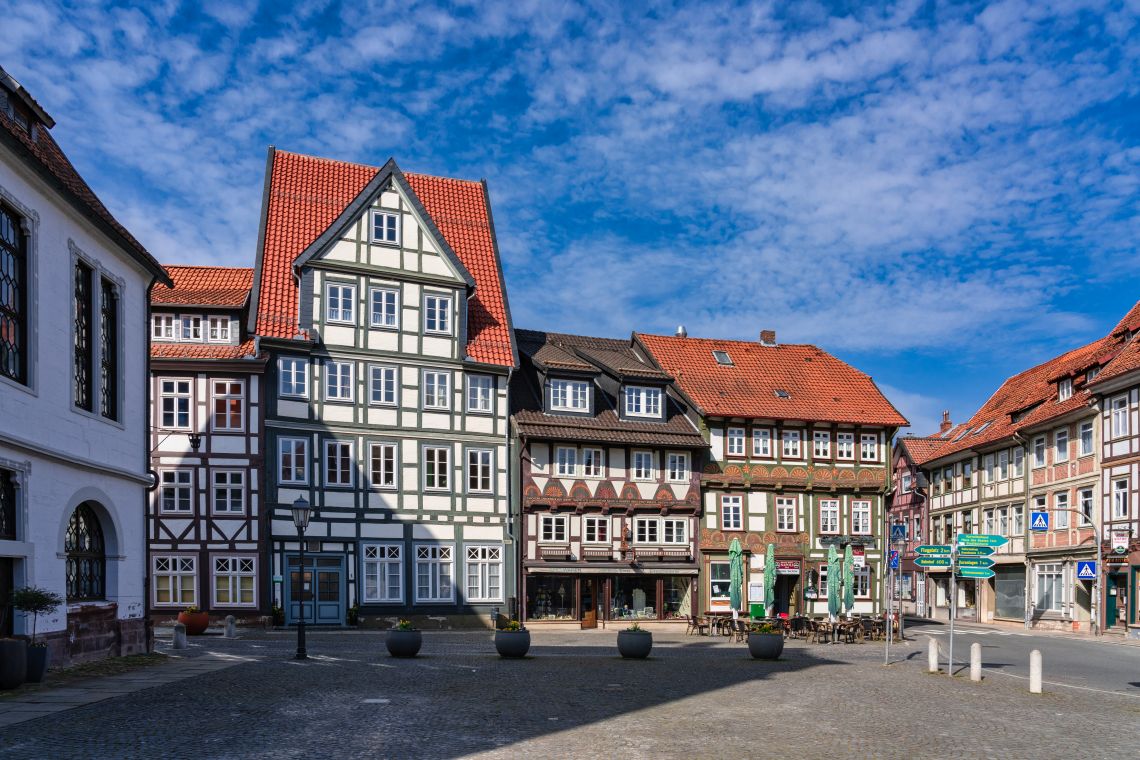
(962, 435)
(982, 427)
(781, 393)
(722, 357)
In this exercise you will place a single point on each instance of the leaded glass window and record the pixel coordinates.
(82, 330)
(86, 556)
(109, 351)
(13, 298)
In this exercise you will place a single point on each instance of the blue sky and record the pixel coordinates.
(941, 194)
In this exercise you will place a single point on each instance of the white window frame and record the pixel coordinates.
(860, 511)
(642, 401)
(223, 483)
(437, 314)
(228, 395)
(384, 308)
(1085, 506)
(1085, 433)
(552, 529)
(190, 329)
(179, 482)
(380, 453)
(674, 531)
(677, 467)
(386, 229)
(437, 388)
(342, 453)
(480, 394)
(293, 377)
(1119, 423)
(821, 444)
(861, 580)
(335, 311)
(566, 461)
(723, 566)
(180, 403)
(381, 562)
(177, 568)
(1039, 447)
(1120, 498)
(1003, 464)
(1061, 510)
(1017, 466)
(591, 533)
(787, 514)
(731, 512)
(845, 446)
(1060, 453)
(481, 467)
(829, 517)
(482, 559)
(384, 378)
(869, 447)
(1054, 571)
(646, 530)
(295, 445)
(218, 330)
(791, 444)
(593, 463)
(241, 566)
(437, 558)
(762, 443)
(642, 466)
(436, 469)
(1016, 520)
(339, 377)
(734, 442)
(565, 395)
(162, 328)
(1065, 389)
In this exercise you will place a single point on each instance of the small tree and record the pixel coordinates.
(37, 601)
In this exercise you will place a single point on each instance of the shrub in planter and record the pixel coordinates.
(36, 602)
(634, 643)
(195, 620)
(512, 640)
(766, 642)
(404, 640)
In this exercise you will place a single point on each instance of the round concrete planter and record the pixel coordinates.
(196, 622)
(404, 643)
(13, 663)
(765, 646)
(513, 644)
(38, 660)
(634, 645)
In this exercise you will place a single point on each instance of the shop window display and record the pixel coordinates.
(550, 597)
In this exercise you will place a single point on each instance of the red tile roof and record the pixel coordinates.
(921, 449)
(204, 286)
(306, 195)
(201, 351)
(1128, 360)
(1130, 322)
(819, 386)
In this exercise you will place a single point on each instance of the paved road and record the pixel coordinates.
(695, 698)
(1071, 661)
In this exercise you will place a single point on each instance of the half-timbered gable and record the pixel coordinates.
(380, 297)
(798, 453)
(204, 529)
(610, 486)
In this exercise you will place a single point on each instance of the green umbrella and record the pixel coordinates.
(832, 581)
(736, 573)
(770, 579)
(848, 579)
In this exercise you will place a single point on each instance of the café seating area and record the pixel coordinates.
(815, 629)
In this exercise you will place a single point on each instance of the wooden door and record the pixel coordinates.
(588, 603)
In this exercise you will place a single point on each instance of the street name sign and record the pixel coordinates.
(933, 549)
(975, 562)
(1086, 571)
(932, 561)
(975, 551)
(975, 572)
(1039, 521)
(981, 539)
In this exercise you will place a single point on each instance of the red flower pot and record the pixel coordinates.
(196, 622)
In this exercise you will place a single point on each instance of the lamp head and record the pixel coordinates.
(301, 512)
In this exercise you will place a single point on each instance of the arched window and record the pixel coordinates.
(86, 556)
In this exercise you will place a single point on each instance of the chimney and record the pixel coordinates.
(767, 337)
(681, 332)
(946, 423)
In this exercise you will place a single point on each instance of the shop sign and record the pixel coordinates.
(844, 540)
(787, 567)
(859, 557)
(1120, 541)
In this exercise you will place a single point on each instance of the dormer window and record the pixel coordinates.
(642, 402)
(162, 327)
(722, 357)
(385, 227)
(1092, 373)
(569, 395)
(220, 329)
(191, 328)
(1065, 389)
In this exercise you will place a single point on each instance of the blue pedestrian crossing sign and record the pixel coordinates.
(898, 532)
(1086, 571)
(1039, 521)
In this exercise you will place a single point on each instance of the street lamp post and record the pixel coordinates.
(301, 512)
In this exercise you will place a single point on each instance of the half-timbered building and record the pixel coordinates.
(798, 453)
(204, 527)
(73, 411)
(379, 296)
(609, 483)
(908, 506)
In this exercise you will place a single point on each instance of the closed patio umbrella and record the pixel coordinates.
(848, 580)
(833, 581)
(770, 579)
(735, 573)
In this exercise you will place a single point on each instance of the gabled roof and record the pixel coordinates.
(39, 150)
(542, 351)
(305, 195)
(1130, 322)
(819, 387)
(1128, 360)
(202, 350)
(204, 286)
(921, 449)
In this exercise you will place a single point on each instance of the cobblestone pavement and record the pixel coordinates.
(696, 697)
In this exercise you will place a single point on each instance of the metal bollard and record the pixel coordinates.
(231, 627)
(180, 636)
(975, 662)
(1035, 671)
(931, 656)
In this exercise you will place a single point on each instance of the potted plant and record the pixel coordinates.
(765, 642)
(278, 615)
(36, 601)
(195, 620)
(403, 640)
(353, 615)
(512, 640)
(13, 657)
(634, 642)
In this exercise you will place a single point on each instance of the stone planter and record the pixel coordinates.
(765, 646)
(13, 663)
(403, 643)
(512, 643)
(196, 622)
(634, 645)
(38, 661)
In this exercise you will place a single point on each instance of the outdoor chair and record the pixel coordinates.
(868, 628)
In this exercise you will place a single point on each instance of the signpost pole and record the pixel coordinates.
(1098, 620)
(901, 545)
(953, 603)
(890, 585)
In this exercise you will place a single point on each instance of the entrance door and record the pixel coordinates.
(321, 602)
(588, 603)
(1112, 604)
(785, 592)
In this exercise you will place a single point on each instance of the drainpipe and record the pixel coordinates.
(510, 500)
(1025, 524)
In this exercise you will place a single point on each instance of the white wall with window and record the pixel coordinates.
(174, 580)
(484, 573)
(434, 573)
(552, 528)
(235, 581)
(731, 512)
(383, 572)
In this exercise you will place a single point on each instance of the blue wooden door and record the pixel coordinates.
(321, 599)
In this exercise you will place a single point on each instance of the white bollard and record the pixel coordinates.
(931, 656)
(180, 636)
(1035, 671)
(975, 662)
(231, 627)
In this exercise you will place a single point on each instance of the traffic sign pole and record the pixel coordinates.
(953, 605)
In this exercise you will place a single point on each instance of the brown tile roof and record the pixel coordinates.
(201, 351)
(40, 150)
(305, 195)
(921, 449)
(819, 386)
(204, 286)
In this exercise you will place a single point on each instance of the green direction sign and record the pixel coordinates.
(975, 551)
(975, 562)
(981, 539)
(932, 562)
(975, 572)
(929, 550)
